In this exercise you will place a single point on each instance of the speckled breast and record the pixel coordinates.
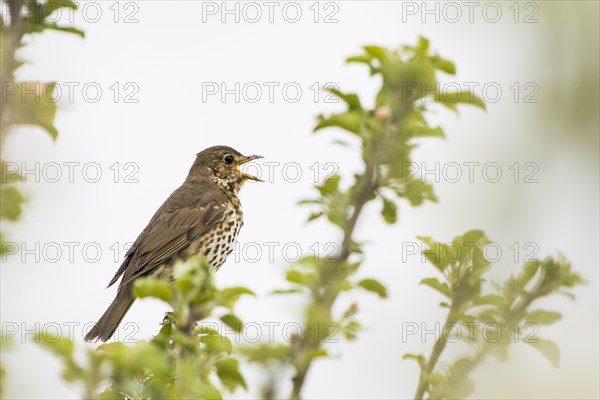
(216, 244)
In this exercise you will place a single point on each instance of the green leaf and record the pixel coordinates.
(39, 109)
(317, 353)
(203, 390)
(127, 358)
(350, 121)
(184, 284)
(417, 192)
(491, 299)
(548, 348)
(11, 202)
(460, 365)
(286, 291)
(165, 334)
(389, 212)
(205, 329)
(237, 291)
(451, 100)
(350, 329)
(436, 379)
(543, 317)
(426, 131)
(305, 279)
(573, 279)
(314, 216)
(473, 236)
(229, 374)
(374, 286)
(441, 287)
(436, 259)
(66, 29)
(148, 287)
(359, 59)
(422, 46)
(377, 52)
(329, 186)
(351, 99)
(110, 393)
(216, 343)
(444, 65)
(233, 322)
(419, 358)
(351, 311)
(528, 272)
(10, 173)
(59, 345)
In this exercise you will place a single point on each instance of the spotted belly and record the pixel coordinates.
(216, 245)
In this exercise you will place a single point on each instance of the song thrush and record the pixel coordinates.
(202, 217)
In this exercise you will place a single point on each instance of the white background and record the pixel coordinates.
(174, 48)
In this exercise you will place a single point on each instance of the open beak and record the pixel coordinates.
(246, 160)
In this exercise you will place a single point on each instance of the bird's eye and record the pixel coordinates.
(228, 159)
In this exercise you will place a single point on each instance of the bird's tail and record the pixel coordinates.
(108, 323)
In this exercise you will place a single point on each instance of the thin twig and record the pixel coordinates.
(512, 316)
(368, 185)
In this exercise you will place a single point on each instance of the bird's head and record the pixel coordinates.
(221, 164)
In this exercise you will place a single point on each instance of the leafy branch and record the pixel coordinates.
(27, 17)
(487, 316)
(181, 360)
(23, 17)
(387, 134)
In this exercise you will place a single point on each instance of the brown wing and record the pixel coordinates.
(174, 226)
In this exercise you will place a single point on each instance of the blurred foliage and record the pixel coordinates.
(186, 359)
(572, 85)
(19, 19)
(388, 134)
(23, 103)
(493, 319)
(5, 343)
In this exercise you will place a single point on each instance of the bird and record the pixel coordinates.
(202, 217)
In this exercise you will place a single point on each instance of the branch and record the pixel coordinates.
(368, 185)
(14, 33)
(436, 352)
(386, 133)
(508, 308)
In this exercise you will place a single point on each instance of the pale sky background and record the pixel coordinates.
(174, 50)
